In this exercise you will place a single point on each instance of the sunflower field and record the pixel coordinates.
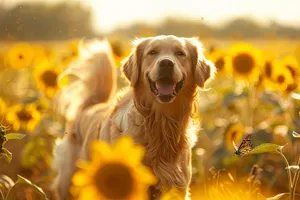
(256, 90)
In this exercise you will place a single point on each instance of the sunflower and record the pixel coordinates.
(291, 64)
(218, 57)
(23, 117)
(234, 132)
(46, 75)
(20, 56)
(282, 76)
(244, 61)
(112, 174)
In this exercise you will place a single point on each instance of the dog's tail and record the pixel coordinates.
(95, 79)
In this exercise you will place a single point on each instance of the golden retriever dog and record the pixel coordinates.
(157, 110)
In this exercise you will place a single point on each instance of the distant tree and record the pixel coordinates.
(246, 27)
(42, 22)
(235, 29)
(65, 20)
(184, 27)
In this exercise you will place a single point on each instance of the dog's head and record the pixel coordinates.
(168, 65)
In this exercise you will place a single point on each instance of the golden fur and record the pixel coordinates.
(166, 129)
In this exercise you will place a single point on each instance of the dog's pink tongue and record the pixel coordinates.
(165, 89)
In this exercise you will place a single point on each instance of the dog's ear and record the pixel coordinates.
(203, 68)
(131, 66)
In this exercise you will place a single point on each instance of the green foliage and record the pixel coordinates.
(4, 137)
(6, 154)
(28, 182)
(34, 151)
(7, 185)
(14, 136)
(265, 148)
(292, 170)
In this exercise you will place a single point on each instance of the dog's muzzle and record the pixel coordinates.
(165, 88)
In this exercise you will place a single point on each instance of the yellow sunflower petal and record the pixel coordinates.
(126, 143)
(89, 192)
(80, 179)
(146, 175)
(101, 150)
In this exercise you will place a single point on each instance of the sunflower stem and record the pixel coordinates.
(8, 192)
(2, 195)
(289, 175)
(251, 99)
(295, 181)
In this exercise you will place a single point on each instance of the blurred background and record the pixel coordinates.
(233, 19)
(39, 38)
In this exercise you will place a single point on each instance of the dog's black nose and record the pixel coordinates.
(166, 63)
(166, 67)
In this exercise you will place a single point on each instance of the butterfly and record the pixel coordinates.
(245, 147)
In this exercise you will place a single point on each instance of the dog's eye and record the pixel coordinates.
(179, 53)
(152, 52)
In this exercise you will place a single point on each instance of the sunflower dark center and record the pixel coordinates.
(268, 69)
(291, 87)
(280, 79)
(220, 63)
(234, 135)
(20, 57)
(243, 63)
(114, 181)
(49, 78)
(292, 70)
(24, 116)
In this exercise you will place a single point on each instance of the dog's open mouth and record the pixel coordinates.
(165, 89)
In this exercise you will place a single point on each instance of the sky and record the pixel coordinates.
(109, 14)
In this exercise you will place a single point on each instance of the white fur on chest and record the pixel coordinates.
(121, 118)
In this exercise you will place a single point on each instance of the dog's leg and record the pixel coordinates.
(171, 177)
(65, 155)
